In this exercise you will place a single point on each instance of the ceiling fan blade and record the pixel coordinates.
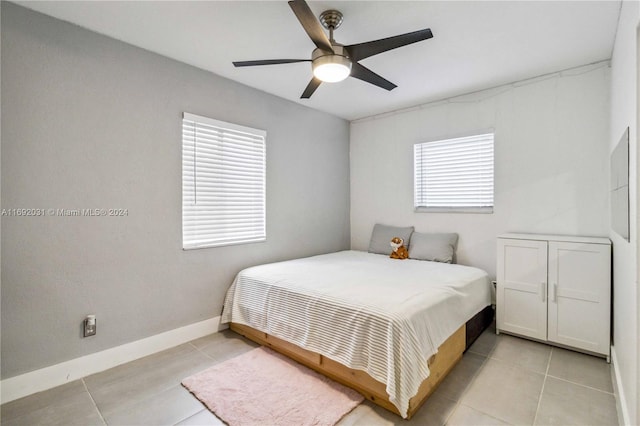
(365, 74)
(310, 24)
(311, 87)
(268, 62)
(364, 50)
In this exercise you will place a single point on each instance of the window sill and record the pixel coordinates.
(481, 210)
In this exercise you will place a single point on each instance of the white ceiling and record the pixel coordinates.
(476, 44)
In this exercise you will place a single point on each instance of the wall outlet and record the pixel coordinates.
(90, 325)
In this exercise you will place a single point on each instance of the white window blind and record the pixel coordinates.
(454, 174)
(223, 183)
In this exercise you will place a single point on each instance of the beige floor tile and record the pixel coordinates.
(364, 415)
(217, 339)
(527, 354)
(224, 345)
(565, 403)
(434, 412)
(40, 400)
(467, 416)
(505, 391)
(138, 367)
(77, 409)
(485, 343)
(165, 408)
(202, 418)
(141, 385)
(580, 368)
(373, 420)
(459, 379)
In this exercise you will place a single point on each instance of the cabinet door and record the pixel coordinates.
(521, 301)
(580, 295)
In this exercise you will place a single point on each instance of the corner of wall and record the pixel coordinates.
(621, 402)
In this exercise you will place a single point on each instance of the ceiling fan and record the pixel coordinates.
(331, 61)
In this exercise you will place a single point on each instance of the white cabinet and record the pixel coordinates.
(555, 289)
(521, 288)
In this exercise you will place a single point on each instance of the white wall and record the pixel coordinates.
(625, 298)
(637, 196)
(91, 122)
(551, 162)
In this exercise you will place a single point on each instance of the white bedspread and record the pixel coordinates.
(366, 311)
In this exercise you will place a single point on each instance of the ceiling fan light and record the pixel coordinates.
(331, 68)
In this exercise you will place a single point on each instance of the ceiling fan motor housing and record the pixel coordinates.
(338, 50)
(338, 60)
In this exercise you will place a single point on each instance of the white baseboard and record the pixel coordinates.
(618, 390)
(59, 374)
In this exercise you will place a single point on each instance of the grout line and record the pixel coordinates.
(572, 382)
(493, 349)
(480, 353)
(473, 379)
(486, 414)
(453, 410)
(161, 389)
(202, 352)
(196, 413)
(582, 385)
(546, 373)
(94, 401)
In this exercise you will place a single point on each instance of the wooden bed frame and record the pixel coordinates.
(440, 364)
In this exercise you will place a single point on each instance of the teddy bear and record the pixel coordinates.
(399, 250)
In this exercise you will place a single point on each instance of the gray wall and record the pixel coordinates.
(90, 122)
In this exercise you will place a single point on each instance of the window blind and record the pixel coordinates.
(454, 174)
(223, 183)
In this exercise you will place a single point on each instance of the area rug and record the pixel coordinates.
(262, 387)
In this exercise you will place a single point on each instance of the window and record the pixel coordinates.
(454, 175)
(223, 183)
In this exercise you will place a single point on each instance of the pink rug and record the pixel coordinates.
(262, 387)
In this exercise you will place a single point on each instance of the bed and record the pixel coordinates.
(391, 329)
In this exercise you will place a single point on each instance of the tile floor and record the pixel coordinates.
(501, 380)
